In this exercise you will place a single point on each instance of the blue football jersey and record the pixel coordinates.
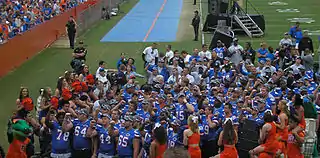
(106, 145)
(209, 133)
(172, 139)
(80, 141)
(60, 140)
(125, 142)
(181, 113)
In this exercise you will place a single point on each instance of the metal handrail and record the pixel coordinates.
(247, 1)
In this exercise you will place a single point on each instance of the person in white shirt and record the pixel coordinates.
(103, 78)
(286, 40)
(268, 66)
(186, 58)
(185, 73)
(296, 66)
(236, 52)
(102, 64)
(205, 53)
(150, 54)
(169, 53)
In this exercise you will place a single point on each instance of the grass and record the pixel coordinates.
(277, 23)
(44, 69)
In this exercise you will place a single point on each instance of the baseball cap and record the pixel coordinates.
(181, 95)
(235, 39)
(129, 86)
(84, 111)
(101, 70)
(106, 115)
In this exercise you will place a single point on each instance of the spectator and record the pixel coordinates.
(205, 53)
(177, 58)
(102, 64)
(150, 55)
(262, 52)
(131, 62)
(169, 53)
(297, 66)
(122, 60)
(250, 53)
(236, 52)
(305, 42)
(163, 71)
(307, 59)
(195, 55)
(220, 50)
(286, 40)
(186, 58)
(294, 29)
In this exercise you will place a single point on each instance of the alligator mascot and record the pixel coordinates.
(18, 132)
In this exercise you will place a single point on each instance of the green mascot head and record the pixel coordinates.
(21, 129)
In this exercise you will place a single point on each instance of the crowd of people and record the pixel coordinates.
(192, 104)
(18, 16)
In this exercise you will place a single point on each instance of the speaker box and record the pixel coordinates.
(243, 153)
(249, 125)
(249, 135)
(246, 144)
(223, 37)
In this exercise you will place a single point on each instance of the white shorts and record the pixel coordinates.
(67, 155)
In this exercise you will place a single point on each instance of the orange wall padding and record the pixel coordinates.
(22, 47)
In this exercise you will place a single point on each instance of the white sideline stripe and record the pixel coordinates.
(201, 23)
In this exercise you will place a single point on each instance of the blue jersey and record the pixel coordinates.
(80, 141)
(181, 113)
(107, 145)
(125, 143)
(208, 133)
(172, 139)
(60, 140)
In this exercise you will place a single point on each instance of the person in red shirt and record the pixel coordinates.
(294, 139)
(191, 137)
(268, 139)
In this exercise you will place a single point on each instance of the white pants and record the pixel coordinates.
(100, 155)
(67, 155)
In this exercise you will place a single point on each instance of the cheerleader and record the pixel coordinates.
(191, 137)
(228, 138)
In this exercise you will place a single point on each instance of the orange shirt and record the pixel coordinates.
(17, 149)
(160, 150)
(195, 152)
(293, 147)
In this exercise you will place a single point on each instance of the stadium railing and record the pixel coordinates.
(22, 47)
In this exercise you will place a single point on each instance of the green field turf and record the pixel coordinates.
(44, 69)
(277, 23)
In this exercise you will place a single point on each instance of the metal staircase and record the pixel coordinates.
(248, 25)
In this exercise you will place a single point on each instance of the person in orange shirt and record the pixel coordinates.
(159, 144)
(191, 137)
(228, 138)
(294, 139)
(268, 140)
(282, 127)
